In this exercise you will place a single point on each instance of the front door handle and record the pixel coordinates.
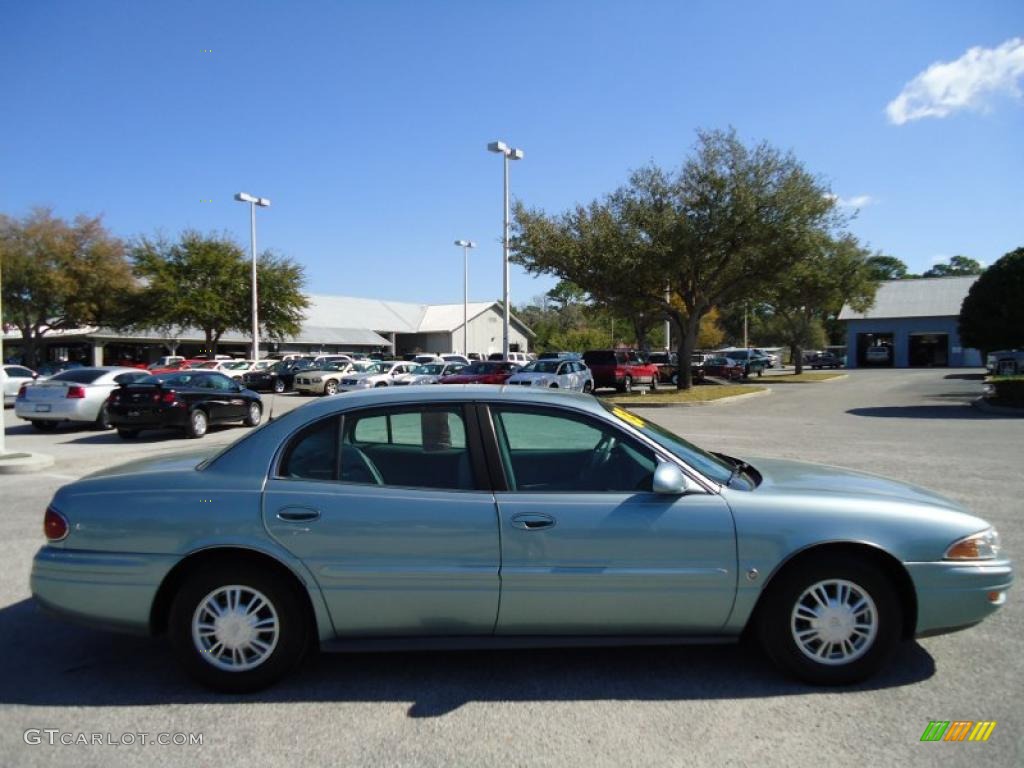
(298, 514)
(532, 521)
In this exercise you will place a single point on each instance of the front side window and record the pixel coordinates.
(555, 452)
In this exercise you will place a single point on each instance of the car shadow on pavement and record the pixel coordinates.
(111, 437)
(966, 376)
(955, 411)
(44, 662)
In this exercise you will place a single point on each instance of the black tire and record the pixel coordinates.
(654, 383)
(380, 384)
(331, 387)
(198, 423)
(675, 379)
(127, 434)
(102, 419)
(553, 385)
(587, 387)
(776, 622)
(44, 426)
(253, 415)
(292, 639)
(278, 386)
(626, 385)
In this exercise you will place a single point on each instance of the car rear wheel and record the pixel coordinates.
(237, 628)
(44, 426)
(675, 379)
(253, 415)
(331, 388)
(627, 384)
(198, 423)
(654, 383)
(278, 386)
(102, 418)
(831, 621)
(588, 387)
(127, 433)
(380, 384)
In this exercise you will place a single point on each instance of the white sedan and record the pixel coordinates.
(11, 379)
(380, 374)
(428, 373)
(231, 368)
(573, 375)
(77, 395)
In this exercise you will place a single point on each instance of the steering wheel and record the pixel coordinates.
(599, 458)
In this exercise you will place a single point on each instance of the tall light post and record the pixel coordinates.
(465, 245)
(262, 202)
(3, 423)
(508, 153)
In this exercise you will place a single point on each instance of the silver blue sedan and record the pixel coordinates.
(477, 516)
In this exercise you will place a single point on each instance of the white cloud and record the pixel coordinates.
(857, 201)
(967, 83)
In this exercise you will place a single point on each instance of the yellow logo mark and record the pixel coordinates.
(982, 730)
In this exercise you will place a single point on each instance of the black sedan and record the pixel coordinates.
(190, 400)
(277, 378)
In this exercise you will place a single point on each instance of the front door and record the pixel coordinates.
(385, 509)
(588, 548)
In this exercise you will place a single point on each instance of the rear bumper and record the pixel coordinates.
(102, 589)
(952, 596)
(63, 409)
(169, 417)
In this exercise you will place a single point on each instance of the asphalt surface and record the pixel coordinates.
(640, 706)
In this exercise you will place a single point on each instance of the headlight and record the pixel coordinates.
(978, 546)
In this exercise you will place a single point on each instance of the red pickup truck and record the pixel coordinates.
(620, 368)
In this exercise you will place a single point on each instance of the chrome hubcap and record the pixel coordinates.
(254, 413)
(834, 622)
(199, 423)
(235, 628)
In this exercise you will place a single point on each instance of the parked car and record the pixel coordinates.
(1005, 362)
(455, 358)
(483, 372)
(325, 379)
(572, 375)
(187, 400)
(752, 361)
(558, 518)
(824, 360)
(166, 362)
(381, 374)
(724, 368)
(668, 366)
(474, 356)
(878, 354)
(619, 368)
(428, 373)
(12, 377)
(559, 356)
(519, 358)
(234, 369)
(78, 396)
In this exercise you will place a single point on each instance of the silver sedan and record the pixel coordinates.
(11, 379)
(78, 395)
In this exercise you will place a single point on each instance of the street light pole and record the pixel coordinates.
(465, 245)
(508, 153)
(263, 202)
(3, 421)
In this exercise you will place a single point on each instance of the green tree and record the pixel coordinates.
(715, 231)
(992, 315)
(811, 291)
(59, 275)
(957, 265)
(887, 267)
(204, 282)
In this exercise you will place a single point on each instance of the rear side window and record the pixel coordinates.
(599, 358)
(79, 375)
(313, 453)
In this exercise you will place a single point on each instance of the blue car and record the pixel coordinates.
(482, 516)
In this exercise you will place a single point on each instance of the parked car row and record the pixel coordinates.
(1005, 362)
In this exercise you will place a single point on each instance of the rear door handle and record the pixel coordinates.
(532, 521)
(298, 514)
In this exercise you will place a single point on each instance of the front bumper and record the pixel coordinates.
(953, 595)
(102, 589)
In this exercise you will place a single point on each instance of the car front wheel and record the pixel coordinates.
(654, 383)
(831, 621)
(331, 388)
(253, 415)
(627, 384)
(198, 423)
(278, 386)
(237, 628)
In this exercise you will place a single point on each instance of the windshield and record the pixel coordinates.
(541, 366)
(236, 366)
(431, 369)
(706, 463)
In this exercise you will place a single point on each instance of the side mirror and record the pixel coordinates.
(670, 480)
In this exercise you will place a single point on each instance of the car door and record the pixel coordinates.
(587, 547)
(390, 508)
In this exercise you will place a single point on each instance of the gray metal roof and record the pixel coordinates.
(921, 297)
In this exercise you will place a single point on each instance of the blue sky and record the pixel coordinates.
(366, 123)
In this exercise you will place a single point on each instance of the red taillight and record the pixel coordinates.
(76, 392)
(55, 526)
(114, 397)
(169, 397)
(21, 391)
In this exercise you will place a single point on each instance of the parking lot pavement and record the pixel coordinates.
(645, 706)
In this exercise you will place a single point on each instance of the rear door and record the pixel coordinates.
(390, 509)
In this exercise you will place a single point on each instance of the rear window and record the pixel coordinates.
(79, 375)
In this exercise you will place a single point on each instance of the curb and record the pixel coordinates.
(838, 377)
(720, 401)
(996, 410)
(17, 463)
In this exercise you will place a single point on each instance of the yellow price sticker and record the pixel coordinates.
(629, 418)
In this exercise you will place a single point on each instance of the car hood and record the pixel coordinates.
(780, 475)
(166, 463)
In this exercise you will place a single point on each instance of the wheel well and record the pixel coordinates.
(886, 563)
(161, 609)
